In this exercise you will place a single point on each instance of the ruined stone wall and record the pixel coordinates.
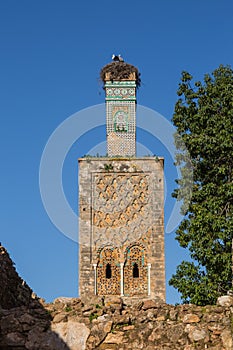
(24, 323)
(108, 322)
(13, 290)
(121, 324)
(121, 221)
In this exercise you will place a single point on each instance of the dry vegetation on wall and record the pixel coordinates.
(120, 71)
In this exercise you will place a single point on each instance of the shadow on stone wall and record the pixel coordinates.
(24, 323)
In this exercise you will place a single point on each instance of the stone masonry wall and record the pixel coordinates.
(120, 324)
(24, 323)
(13, 290)
(107, 322)
(121, 205)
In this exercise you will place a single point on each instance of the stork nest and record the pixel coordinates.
(120, 71)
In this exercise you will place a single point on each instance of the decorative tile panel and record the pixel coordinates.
(121, 118)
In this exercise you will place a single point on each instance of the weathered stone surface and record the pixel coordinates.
(216, 328)
(191, 318)
(74, 334)
(113, 302)
(128, 328)
(155, 335)
(175, 332)
(173, 314)
(66, 300)
(198, 334)
(227, 339)
(107, 326)
(14, 291)
(61, 317)
(48, 340)
(15, 339)
(225, 300)
(99, 332)
(115, 338)
(24, 323)
(149, 304)
(113, 299)
(103, 318)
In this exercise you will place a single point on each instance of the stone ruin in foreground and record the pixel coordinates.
(110, 322)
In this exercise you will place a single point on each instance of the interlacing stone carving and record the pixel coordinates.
(121, 203)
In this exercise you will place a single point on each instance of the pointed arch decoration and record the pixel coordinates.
(135, 270)
(108, 271)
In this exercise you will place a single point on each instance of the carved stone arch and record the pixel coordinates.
(138, 244)
(135, 270)
(108, 271)
(101, 248)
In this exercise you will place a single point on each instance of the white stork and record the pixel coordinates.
(117, 58)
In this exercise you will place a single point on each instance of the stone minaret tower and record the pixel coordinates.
(121, 219)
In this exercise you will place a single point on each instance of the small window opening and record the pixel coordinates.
(108, 271)
(135, 271)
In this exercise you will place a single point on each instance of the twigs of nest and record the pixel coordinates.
(120, 71)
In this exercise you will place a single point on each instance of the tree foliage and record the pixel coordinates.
(204, 120)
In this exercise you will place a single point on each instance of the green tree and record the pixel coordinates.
(204, 120)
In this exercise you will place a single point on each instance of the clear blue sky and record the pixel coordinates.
(51, 55)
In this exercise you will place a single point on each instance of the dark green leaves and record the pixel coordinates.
(204, 121)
